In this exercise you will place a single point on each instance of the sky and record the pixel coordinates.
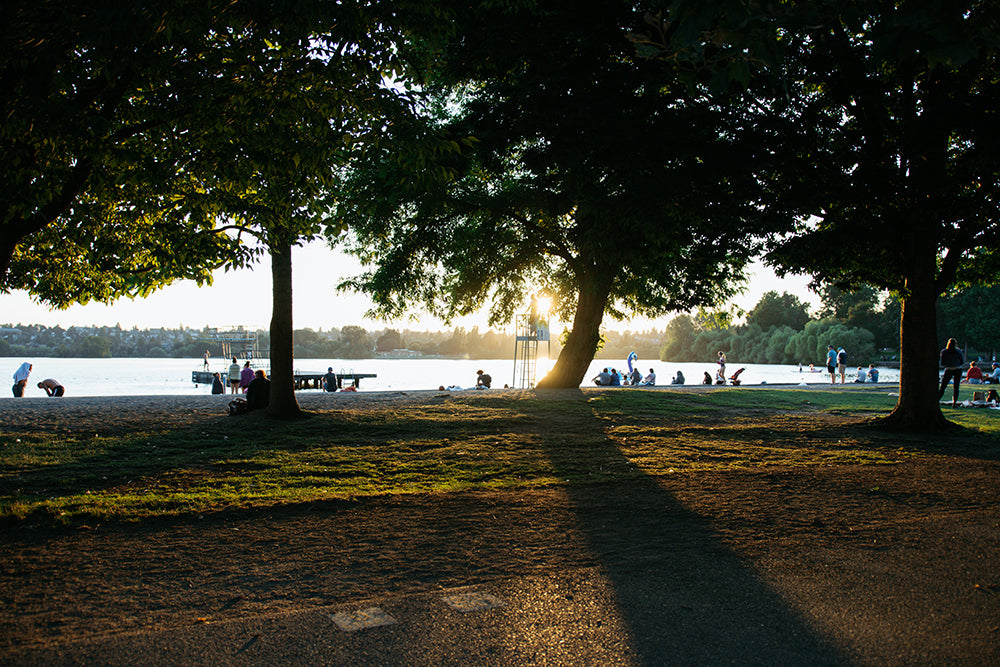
(244, 298)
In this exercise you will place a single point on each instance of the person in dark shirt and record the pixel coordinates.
(259, 392)
(330, 380)
(952, 361)
(217, 386)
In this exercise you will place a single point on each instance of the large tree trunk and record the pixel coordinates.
(581, 345)
(283, 402)
(918, 407)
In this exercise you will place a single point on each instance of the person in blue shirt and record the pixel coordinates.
(831, 363)
(616, 379)
(872, 373)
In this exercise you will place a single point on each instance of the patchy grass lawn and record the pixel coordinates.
(450, 442)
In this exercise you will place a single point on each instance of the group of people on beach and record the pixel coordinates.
(614, 378)
(953, 362)
(254, 385)
(49, 386)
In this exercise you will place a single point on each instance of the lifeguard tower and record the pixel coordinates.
(532, 328)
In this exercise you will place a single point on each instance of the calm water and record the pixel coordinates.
(118, 377)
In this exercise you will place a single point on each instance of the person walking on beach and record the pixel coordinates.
(722, 362)
(234, 377)
(831, 363)
(205, 366)
(952, 361)
(21, 379)
(51, 387)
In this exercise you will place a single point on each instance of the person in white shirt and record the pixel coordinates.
(650, 380)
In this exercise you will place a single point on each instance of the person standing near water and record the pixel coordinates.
(234, 376)
(21, 379)
(831, 363)
(246, 376)
(952, 360)
(51, 387)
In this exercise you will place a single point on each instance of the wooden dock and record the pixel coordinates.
(303, 380)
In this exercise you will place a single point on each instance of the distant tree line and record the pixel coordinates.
(349, 342)
(780, 329)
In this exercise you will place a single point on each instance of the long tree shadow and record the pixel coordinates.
(685, 596)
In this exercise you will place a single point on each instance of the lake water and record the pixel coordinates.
(142, 377)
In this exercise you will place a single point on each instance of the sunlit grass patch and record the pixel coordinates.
(449, 443)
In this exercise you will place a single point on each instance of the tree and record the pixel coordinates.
(107, 107)
(390, 340)
(354, 343)
(612, 195)
(786, 310)
(891, 159)
(147, 143)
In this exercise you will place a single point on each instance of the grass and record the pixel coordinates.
(500, 440)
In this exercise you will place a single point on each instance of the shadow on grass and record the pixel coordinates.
(684, 595)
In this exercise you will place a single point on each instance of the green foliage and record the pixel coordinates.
(750, 344)
(971, 316)
(786, 310)
(613, 195)
(354, 343)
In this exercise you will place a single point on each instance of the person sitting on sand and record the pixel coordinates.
(483, 380)
(872, 373)
(707, 379)
(330, 380)
(861, 375)
(678, 379)
(602, 379)
(649, 380)
(616, 379)
(259, 392)
(720, 377)
(51, 387)
(635, 378)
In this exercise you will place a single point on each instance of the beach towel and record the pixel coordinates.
(22, 372)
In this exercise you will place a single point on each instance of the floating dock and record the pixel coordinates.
(303, 380)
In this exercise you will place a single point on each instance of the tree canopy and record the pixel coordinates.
(577, 177)
(891, 159)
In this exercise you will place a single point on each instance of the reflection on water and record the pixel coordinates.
(117, 377)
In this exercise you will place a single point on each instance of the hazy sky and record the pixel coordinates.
(244, 298)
